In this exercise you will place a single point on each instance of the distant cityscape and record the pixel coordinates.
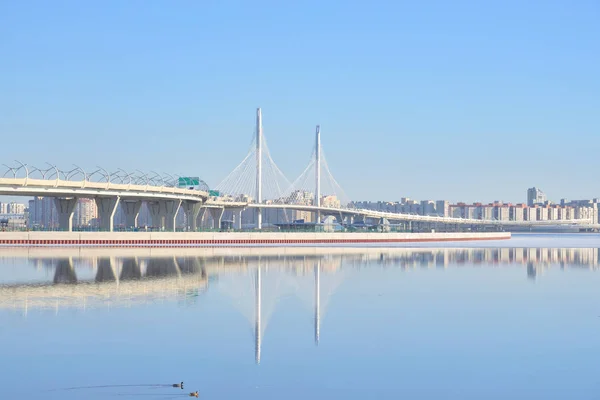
(537, 208)
(40, 212)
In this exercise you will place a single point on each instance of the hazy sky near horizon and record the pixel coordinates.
(462, 100)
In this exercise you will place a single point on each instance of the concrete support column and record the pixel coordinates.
(155, 214)
(107, 207)
(65, 209)
(384, 224)
(217, 214)
(163, 213)
(238, 216)
(171, 209)
(201, 215)
(191, 210)
(131, 209)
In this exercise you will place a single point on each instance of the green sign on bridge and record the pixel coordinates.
(187, 181)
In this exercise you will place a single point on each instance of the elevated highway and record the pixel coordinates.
(344, 215)
(164, 202)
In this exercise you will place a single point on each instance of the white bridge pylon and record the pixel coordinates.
(258, 179)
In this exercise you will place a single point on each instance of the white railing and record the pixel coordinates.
(26, 179)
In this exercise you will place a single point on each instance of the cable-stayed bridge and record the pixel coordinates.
(256, 183)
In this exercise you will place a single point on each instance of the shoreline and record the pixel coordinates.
(230, 239)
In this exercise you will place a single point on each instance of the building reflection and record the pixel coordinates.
(256, 276)
(176, 270)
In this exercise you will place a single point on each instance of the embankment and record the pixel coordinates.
(195, 239)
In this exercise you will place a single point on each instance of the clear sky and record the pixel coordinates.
(460, 100)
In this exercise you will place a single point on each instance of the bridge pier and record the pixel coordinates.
(191, 210)
(239, 219)
(237, 213)
(131, 209)
(163, 213)
(107, 207)
(384, 224)
(217, 214)
(201, 216)
(155, 214)
(65, 207)
(171, 209)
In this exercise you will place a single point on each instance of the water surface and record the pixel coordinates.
(516, 319)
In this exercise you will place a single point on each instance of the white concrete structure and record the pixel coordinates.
(258, 166)
(392, 216)
(318, 172)
(235, 239)
(165, 200)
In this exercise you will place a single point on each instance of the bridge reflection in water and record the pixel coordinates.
(254, 279)
(117, 283)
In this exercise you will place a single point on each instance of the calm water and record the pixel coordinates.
(517, 319)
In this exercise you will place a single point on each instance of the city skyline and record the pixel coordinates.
(122, 93)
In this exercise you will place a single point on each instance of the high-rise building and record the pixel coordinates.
(330, 201)
(12, 208)
(86, 213)
(42, 213)
(427, 207)
(15, 208)
(442, 207)
(535, 196)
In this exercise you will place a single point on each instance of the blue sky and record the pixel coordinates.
(462, 100)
